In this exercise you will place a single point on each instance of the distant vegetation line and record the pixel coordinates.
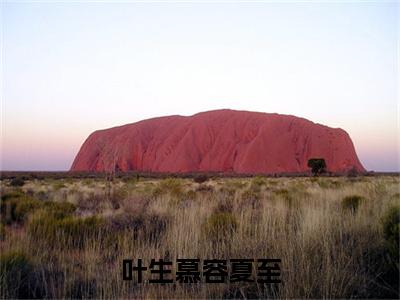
(132, 174)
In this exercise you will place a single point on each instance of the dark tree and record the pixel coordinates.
(317, 165)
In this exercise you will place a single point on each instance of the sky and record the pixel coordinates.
(70, 68)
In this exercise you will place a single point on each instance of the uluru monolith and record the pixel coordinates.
(218, 141)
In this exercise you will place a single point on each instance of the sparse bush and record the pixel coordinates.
(204, 188)
(135, 205)
(391, 231)
(272, 182)
(91, 203)
(147, 227)
(126, 221)
(17, 276)
(59, 210)
(224, 205)
(2, 232)
(327, 183)
(352, 203)
(220, 225)
(396, 196)
(17, 182)
(231, 187)
(252, 196)
(284, 193)
(234, 184)
(65, 232)
(228, 191)
(88, 182)
(13, 194)
(58, 185)
(42, 195)
(258, 181)
(156, 226)
(15, 209)
(24, 206)
(116, 197)
(336, 184)
(68, 256)
(352, 172)
(172, 186)
(323, 183)
(81, 288)
(190, 195)
(200, 178)
(30, 192)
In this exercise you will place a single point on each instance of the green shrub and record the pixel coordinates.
(16, 209)
(228, 191)
(287, 197)
(88, 182)
(92, 203)
(258, 181)
(65, 232)
(17, 182)
(220, 225)
(58, 185)
(328, 183)
(171, 185)
(25, 206)
(391, 231)
(17, 276)
(352, 203)
(59, 210)
(234, 184)
(323, 183)
(336, 184)
(116, 196)
(272, 182)
(252, 196)
(13, 194)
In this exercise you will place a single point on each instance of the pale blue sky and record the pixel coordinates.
(71, 68)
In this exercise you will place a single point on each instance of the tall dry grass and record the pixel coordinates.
(330, 247)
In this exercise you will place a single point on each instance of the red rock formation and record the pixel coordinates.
(222, 141)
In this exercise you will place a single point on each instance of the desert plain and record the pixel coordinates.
(65, 236)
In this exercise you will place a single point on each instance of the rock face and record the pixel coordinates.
(218, 141)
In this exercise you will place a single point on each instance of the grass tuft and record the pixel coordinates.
(220, 225)
(352, 203)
